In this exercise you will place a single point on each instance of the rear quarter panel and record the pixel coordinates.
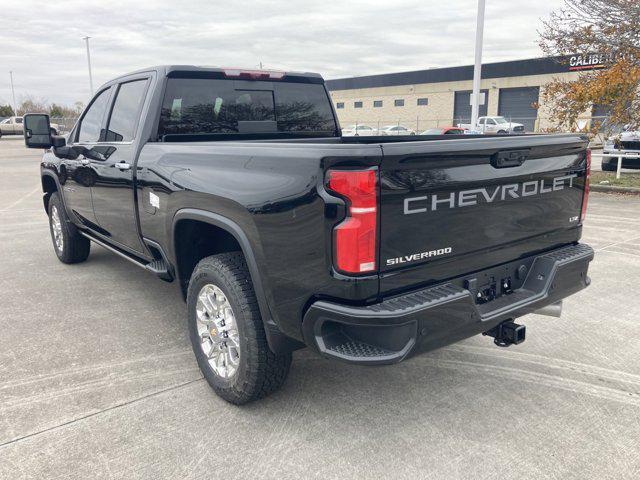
(274, 193)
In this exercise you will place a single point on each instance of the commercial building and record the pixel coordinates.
(439, 97)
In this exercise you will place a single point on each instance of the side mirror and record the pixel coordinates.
(37, 132)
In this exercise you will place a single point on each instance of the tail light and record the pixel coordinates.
(354, 240)
(585, 197)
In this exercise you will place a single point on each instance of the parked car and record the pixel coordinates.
(498, 125)
(396, 130)
(627, 144)
(13, 126)
(359, 131)
(444, 131)
(281, 233)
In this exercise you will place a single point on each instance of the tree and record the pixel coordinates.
(56, 111)
(62, 111)
(607, 27)
(78, 107)
(32, 105)
(6, 111)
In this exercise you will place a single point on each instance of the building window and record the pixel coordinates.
(377, 103)
(399, 102)
(340, 105)
(423, 101)
(357, 104)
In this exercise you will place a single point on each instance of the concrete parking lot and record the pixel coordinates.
(97, 378)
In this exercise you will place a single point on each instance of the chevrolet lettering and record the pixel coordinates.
(465, 198)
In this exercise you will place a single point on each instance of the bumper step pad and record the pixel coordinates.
(357, 349)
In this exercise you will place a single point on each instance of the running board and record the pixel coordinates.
(160, 268)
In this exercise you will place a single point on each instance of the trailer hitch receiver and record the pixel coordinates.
(507, 333)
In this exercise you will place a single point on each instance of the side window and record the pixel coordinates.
(18, 120)
(126, 111)
(481, 121)
(92, 120)
(491, 121)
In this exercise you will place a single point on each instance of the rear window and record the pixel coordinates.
(197, 106)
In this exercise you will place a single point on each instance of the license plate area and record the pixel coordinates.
(497, 282)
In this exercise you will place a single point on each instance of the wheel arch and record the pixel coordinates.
(228, 229)
(49, 186)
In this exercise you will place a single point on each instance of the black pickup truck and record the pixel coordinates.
(282, 234)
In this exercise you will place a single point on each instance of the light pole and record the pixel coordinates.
(13, 94)
(86, 39)
(477, 67)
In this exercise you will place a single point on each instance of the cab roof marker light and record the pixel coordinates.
(253, 74)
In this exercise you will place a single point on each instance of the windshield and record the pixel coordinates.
(217, 106)
(432, 131)
(500, 120)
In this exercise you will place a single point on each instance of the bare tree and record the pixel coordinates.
(32, 105)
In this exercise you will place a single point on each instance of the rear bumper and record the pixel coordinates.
(423, 320)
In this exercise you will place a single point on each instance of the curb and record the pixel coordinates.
(613, 189)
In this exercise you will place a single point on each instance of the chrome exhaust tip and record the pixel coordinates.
(553, 310)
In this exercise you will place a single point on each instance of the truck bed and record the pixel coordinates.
(275, 190)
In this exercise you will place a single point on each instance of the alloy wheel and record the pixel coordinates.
(218, 331)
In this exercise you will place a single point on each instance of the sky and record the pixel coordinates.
(42, 40)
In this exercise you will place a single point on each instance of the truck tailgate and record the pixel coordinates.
(452, 207)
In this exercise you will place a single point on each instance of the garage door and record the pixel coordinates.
(516, 104)
(462, 108)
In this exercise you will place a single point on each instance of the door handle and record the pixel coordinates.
(122, 166)
(509, 158)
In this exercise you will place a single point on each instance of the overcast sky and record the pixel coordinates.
(42, 41)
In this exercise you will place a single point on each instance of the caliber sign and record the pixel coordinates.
(589, 61)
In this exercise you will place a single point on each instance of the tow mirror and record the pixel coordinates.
(37, 132)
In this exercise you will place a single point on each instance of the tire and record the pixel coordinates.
(608, 167)
(249, 370)
(69, 245)
(502, 132)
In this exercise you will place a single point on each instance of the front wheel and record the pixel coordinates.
(69, 245)
(502, 132)
(227, 333)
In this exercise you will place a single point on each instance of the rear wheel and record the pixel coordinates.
(227, 333)
(69, 245)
